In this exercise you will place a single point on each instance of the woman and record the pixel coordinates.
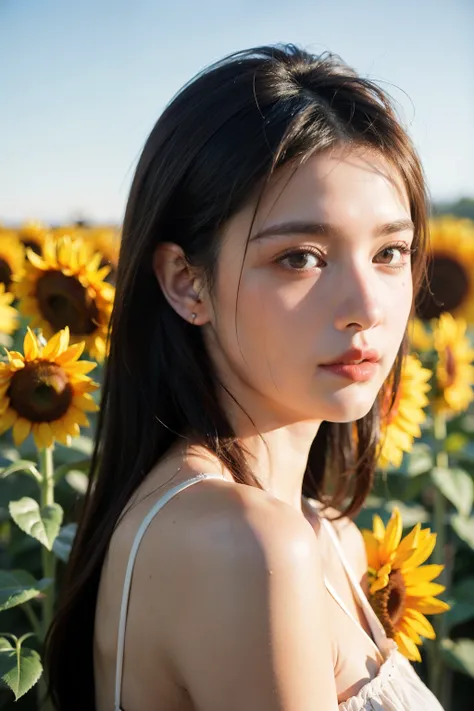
(273, 243)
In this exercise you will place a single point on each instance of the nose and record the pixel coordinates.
(359, 304)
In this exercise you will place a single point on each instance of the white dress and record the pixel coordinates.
(397, 687)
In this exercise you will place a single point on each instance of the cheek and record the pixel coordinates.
(399, 305)
(259, 344)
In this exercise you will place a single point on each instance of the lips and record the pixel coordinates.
(354, 356)
(358, 365)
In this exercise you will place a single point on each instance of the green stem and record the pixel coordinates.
(48, 559)
(437, 670)
(33, 619)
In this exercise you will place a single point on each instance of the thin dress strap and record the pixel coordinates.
(376, 626)
(128, 575)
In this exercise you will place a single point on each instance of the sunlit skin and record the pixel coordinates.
(223, 563)
(304, 298)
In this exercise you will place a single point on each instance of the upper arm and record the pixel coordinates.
(253, 635)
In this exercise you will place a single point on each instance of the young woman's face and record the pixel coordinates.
(308, 295)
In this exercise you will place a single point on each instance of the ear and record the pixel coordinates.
(180, 285)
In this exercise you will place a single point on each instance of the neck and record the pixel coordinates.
(279, 461)
(277, 457)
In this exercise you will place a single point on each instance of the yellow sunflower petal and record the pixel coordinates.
(392, 536)
(419, 623)
(30, 346)
(7, 420)
(71, 354)
(423, 552)
(372, 549)
(42, 434)
(35, 259)
(405, 627)
(85, 403)
(407, 546)
(425, 574)
(382, 579)
(78, 416)
(425, 589)
(21, 430)
(81, 367)
(378, 527)
(427, 606)
(56, 344)
(407, 647)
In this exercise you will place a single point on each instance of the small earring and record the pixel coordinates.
(193, 316)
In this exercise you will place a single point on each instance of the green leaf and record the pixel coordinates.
(42, 524)
(457, 486)
(18, 586)
(63, 543)
(22, 465)
(464, 527)
(20, 668)
(459, 655)
(78, 481)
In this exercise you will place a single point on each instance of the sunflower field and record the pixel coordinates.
(56, 298)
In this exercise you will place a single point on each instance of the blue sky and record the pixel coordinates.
(82, 84)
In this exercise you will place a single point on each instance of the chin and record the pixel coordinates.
(347, 409)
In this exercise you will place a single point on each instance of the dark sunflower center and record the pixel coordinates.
(5, 273)
(63, 301)
(389, 603)
(40, 392)
(449, 283)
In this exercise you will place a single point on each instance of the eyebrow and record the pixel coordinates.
(304, 227)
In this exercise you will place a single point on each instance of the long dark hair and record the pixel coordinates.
(215, 146)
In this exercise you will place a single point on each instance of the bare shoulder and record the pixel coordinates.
(251, 597)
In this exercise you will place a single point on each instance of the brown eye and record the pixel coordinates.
(395, 256)
(300, 260)
(391, 254)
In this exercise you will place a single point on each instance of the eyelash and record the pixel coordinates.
(401, 246)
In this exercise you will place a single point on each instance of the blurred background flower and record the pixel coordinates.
(65, 286)
(12, 257)
(451, 271)
(46, 390)
(32, 234)
(8, 314)
(454, 370)
(401, 419)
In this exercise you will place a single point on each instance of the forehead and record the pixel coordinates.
(342, 185)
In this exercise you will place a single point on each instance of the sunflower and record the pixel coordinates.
(8, 314)
(454, 369)
(12, 257)
(401, 422)
(451, 270)
(401, 590)
(46, 391)
(65, 287)
(33, 234)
